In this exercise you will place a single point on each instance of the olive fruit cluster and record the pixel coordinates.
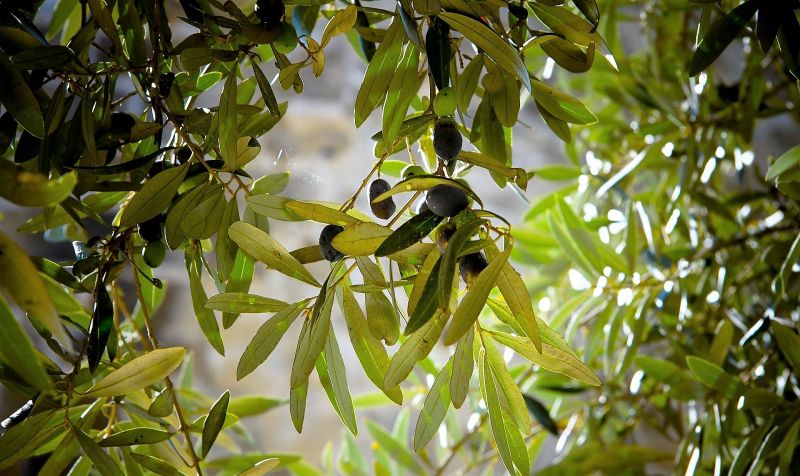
(470, 265)
(152, 231)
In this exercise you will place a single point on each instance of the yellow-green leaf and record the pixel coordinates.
(244, 303)
(379, 72)
(340, 23)
(320, 213)
(154, 196)
(266, 249)
(491, 43)
(18, 352)
(140, 372)
(214, 422)
(471, 305)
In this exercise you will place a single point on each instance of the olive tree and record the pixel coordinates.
(665, 287)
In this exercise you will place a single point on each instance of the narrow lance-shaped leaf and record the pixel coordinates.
(507, 386)
(228, 120)
(447, 269)
(18, 352)
(135, 436)
(418, 345)
(100, 327)
(472, 304)
(297, 405)
(214, 422)
(267, 338)
(104, 463)
(330, 367)
(244, 303)
(18, 99)
(379, 72)
(340, 23)
(434, 409)
(491, 43)
(140, 372)
(539, 411)
(409, 233)
(720, 35)
(264, 248)
(427, 303)
(402, 90)
(154, 196)
(266, 91)
(205, 317)
(463, 367)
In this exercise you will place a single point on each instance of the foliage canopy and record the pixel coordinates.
(664, 267)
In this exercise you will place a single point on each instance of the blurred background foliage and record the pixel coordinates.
(666, 256)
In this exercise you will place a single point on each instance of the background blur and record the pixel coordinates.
(328, 157)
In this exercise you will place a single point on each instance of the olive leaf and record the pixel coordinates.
(140, 372)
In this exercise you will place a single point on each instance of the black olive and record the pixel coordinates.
(421, 207)
(165, 84)
(325, 243)
(150, 230)
(270, 12)
(471, 266)
(385, 208)
(183, 154)
(447, 139)
(518, 11)
(446, 200)
(122, 122)
(443, 235)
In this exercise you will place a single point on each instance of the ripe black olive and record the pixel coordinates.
(443, 235)
(446, 200)
(183, 154)
(325, 243)
(150, 230)
(471, 266)
(270, 12)
(518, 11)
(165, 84)
(385, 208)
(421, 207)
(447, 139)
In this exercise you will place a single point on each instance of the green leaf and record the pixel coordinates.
(447, 267)
(567, 55)
(379, 72)
(539, 411)
(785, 162)
(551, 358)
(22, 283)
(515, 403)
(467, 82)
(104, 463)
(264, 248)
(205, 317)
(331, 371)
(154, 196)
(463, 366)
(560, 105)
(18, 352)
(434, 409)
(266, 91)
(491, 43)
(156, 465)
(228, 120)
(516, 295)
(789, 343)
(471, 305)
(361, 239)
(135, 436)
(18, 99)
(250, 405)
(720, 35)
(214, 422)
(369, 350)
(140, 372)
(423, 183)
(402, 89)
(320, 213)
(267, 338)
(340, 23)
(426, 303)
(244, 303)
(32, 189)
(712, 376)
(723, 336)
(502, 433)
(297, 405)
(312, 336)
(100, 327)
(408, 233)
(415, 348)
(262, 467)
(397, 450)
(161, 405)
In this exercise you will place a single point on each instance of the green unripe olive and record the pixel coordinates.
(385, 208)
(445, 102)
(154, 253)
(413, 171)
(326, 243)
(287, 40)
(443, 235)
(270, 12)
(447, 139)
(471, 265)
(446, 200)
(151, 230)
